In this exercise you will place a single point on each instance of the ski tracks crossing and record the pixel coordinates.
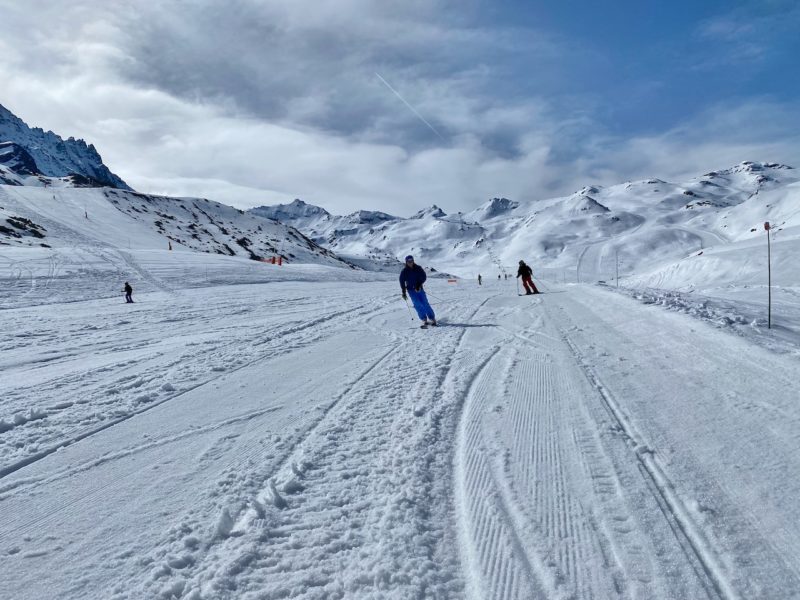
(142, 378)
(498, 456)
(241, 444)
(504, 469)
(367, 487)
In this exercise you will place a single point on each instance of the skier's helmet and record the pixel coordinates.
(409, 258)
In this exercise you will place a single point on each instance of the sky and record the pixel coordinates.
(396, 105)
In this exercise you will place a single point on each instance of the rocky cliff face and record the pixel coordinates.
(54, 156)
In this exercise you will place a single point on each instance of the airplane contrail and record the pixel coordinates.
(411, 108)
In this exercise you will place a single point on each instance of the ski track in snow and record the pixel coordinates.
(149, 386)
(717, 547)
(521, 498)
(688, 532)
(547, 508)
(346, 444)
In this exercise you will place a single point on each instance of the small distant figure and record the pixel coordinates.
(128, 293)
(498, 277)
(526, 273)
(170, 244)
(505, 276)
(480, 279)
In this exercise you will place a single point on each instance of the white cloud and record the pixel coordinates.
(748, 33)
(300, 113)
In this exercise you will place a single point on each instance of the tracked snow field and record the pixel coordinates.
(308, 440)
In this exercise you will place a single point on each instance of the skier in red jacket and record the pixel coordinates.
(526, 273)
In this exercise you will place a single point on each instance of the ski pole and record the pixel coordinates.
(408, 306)
(517, 286)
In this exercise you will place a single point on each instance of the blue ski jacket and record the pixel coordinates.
(412, 278)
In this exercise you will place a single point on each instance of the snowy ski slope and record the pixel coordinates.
(83, 243)
(307, 440)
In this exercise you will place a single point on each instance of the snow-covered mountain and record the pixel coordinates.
(61, 214)
(325, 229)
(59, 193)
(647, 225)
(648, 230)
(212, 227)
(297, 211)
(317, 221)
(52, 155)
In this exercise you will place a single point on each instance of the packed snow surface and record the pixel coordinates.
(305, 439)
(61, 244)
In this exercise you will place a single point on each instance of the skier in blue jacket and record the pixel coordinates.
(411, 279)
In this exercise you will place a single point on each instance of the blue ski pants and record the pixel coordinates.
(421, 305)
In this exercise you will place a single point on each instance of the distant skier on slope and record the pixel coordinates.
(480, 279)
(411, 279)
(128, 293)
(526, 273)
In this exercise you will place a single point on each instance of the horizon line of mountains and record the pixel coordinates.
(652, 220)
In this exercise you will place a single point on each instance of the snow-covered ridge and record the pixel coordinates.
(212, 227)
(54, 156)
(44, 206)
(316, 218)
(432, 211)
(67, 216)
(495, 208)
(292, 211)
(648, 224)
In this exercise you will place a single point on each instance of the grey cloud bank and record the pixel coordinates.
(256, 103)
